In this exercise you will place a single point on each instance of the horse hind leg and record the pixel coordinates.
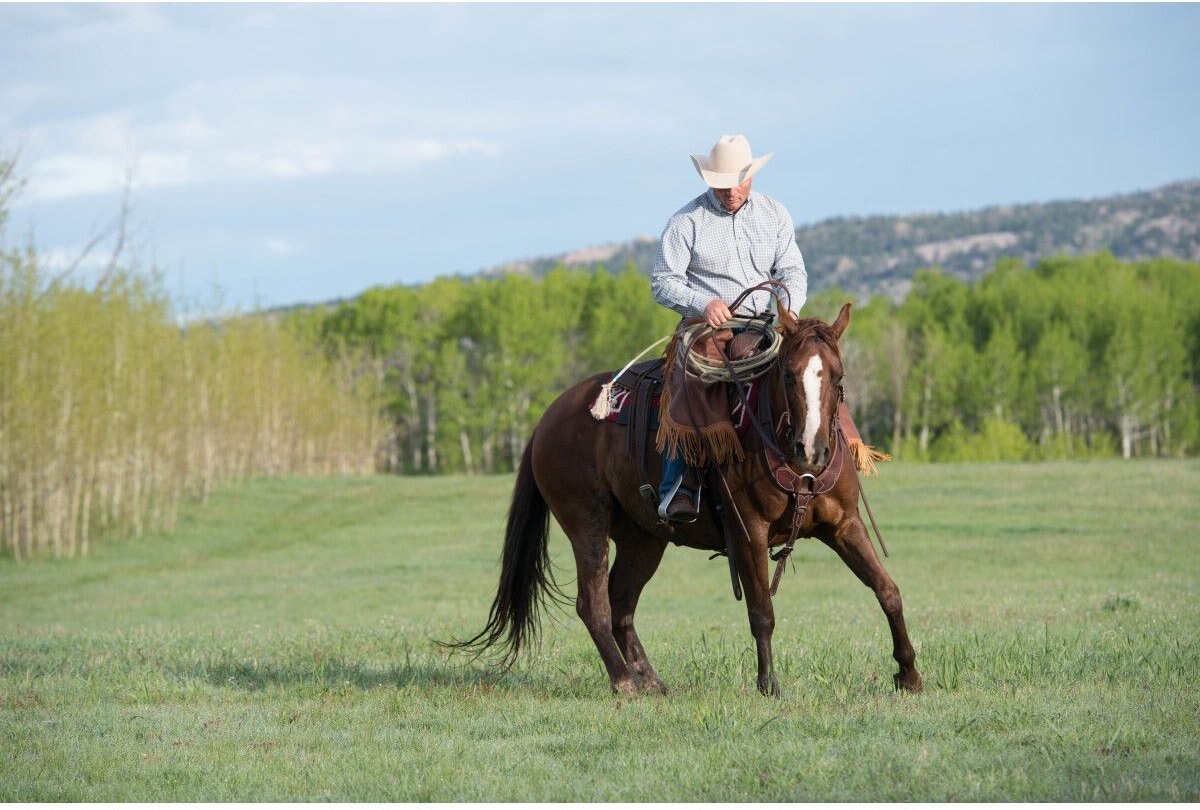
(637, 560)
(590, 546)
(854, 547)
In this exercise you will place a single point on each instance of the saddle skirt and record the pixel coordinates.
(622, 400)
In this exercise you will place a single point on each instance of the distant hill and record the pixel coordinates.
(879, 254)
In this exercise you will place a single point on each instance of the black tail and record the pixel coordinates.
(526, 579)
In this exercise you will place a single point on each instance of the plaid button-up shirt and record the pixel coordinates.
(707, 252)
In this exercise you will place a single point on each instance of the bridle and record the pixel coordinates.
(801, 488)
(784, 428)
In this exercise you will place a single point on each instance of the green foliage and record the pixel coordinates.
(1083, 357)
(469, 365)
(277, 648)
(1074, 358)
(111, 411)
(997, 440)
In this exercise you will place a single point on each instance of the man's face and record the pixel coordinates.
(732, 199)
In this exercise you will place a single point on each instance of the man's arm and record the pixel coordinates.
(789, 264)
(668, 279)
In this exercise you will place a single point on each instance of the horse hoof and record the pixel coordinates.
(624, 688)
(654, 686)
(770, 687)
(908, 682)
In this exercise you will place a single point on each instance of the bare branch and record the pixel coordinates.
(122, 228)
(10, 184)
(118, 226)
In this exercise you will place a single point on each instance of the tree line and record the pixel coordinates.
(465, 367)
(1073, 358)
(111, 410)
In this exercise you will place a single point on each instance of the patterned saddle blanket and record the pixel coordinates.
(622, 402)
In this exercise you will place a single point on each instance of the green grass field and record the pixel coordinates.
(277, 647)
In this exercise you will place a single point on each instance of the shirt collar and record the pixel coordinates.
(715, 204)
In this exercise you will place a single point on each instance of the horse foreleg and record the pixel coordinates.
(592, 605)
(637, 560)
(853, 545)
(751, 556)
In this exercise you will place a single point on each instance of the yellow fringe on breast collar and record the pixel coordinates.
(865, 457)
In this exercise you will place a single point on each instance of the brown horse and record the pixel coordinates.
(580, 470)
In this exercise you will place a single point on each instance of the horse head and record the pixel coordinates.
(811, 366)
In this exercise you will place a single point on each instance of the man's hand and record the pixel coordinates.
(716, 312)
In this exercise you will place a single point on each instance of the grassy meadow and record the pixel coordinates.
(276, 646)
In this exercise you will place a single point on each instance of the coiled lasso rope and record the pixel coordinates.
(710, 371)
(707, 370)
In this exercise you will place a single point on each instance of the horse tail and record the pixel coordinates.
(526, 577)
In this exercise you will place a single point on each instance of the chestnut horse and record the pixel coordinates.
(580, 470)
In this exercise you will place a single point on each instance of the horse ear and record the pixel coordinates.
(788, 321)
(842, 321)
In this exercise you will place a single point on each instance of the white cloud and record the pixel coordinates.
(280, 246)
(271, 128)
(61, 257)
(72, 175)
(68, 26)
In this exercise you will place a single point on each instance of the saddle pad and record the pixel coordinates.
(622, 406)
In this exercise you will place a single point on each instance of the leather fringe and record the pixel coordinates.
(715, 444)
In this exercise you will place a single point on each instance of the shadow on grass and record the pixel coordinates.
(334, 672)
(310, 669)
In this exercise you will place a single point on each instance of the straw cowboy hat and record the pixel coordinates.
(729, 163)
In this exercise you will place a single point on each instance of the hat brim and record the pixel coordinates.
(728, 179)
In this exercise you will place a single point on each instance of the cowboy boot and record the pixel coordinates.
(684, 503)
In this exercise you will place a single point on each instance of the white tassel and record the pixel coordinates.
(603, 406)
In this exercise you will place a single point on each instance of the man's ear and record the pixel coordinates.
(843, 320)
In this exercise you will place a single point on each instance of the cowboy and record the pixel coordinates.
(725, 240)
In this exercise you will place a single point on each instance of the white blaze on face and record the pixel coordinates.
(810, 380)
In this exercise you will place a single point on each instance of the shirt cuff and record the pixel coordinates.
(699, 302)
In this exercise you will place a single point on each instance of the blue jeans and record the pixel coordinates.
(673, 468)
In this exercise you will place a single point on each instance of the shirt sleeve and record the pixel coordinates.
(789, 263)
(668, 279)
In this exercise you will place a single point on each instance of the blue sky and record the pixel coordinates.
(298, 153)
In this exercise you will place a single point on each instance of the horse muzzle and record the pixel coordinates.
(812, 459)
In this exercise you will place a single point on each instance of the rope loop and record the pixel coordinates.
(717, 371)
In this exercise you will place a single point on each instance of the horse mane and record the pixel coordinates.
(807, 329)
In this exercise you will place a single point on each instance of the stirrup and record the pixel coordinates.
(666, 502)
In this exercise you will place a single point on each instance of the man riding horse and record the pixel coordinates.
(724, 241)
(798, 473)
